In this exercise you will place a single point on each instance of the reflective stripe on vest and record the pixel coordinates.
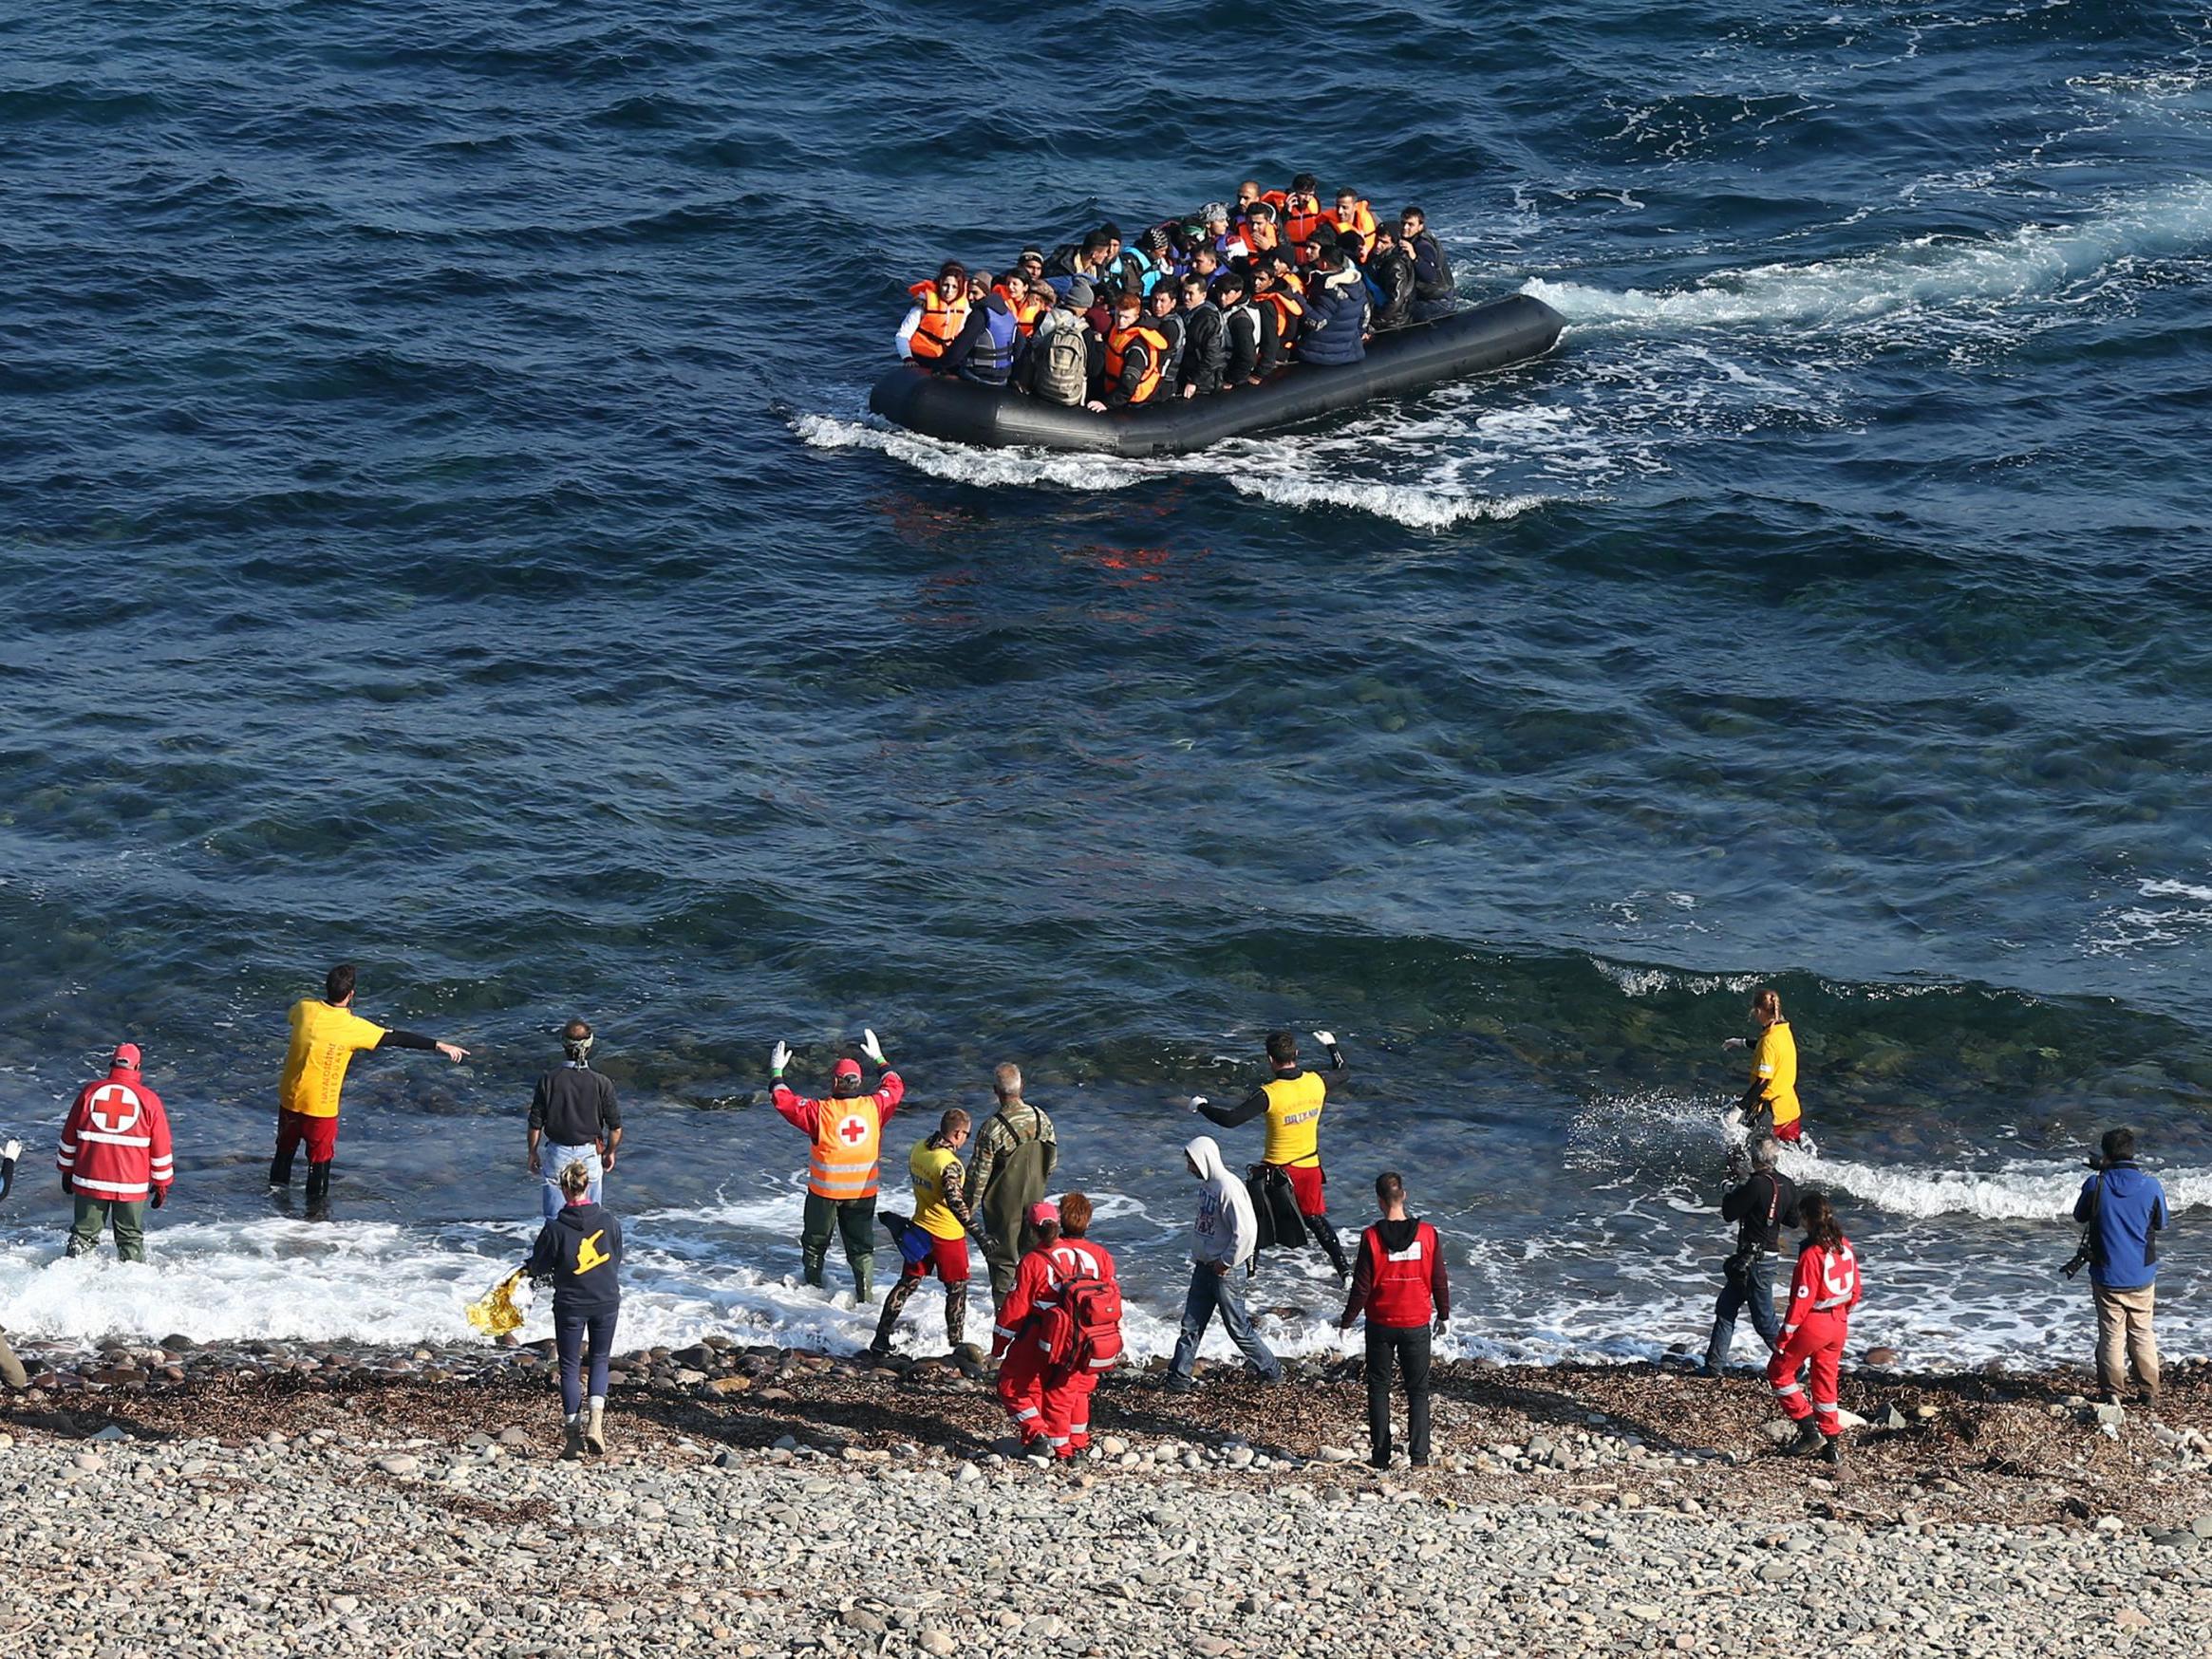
(1294, 1119)
(848, 1137)
(941, 324)
(1117, 347)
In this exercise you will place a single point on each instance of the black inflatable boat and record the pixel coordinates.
(1400, 359)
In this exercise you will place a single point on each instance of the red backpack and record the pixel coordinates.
(1091, 1308)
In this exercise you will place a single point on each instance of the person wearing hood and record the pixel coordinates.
(1336, 312)
(11, 1371)
(114, 1154)
(1400, 1284)
(846, 1129)
(1223, 1236)
(580, 1250)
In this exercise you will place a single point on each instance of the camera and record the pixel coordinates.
(2080, 1261)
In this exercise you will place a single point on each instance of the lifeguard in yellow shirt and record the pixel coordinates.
(1292, 1101)
(325, 1038)
(1774, 1084)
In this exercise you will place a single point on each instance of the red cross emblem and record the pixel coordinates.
(127, 1102)
(852, 1132)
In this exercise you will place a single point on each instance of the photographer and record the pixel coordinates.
(1764, 1205)
(2120, 1209)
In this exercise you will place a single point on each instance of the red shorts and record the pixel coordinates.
(320, 1133)
(1791, 1130)
(948, 1258)
(1305, 1182)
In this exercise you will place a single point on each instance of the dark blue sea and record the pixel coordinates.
(440, 529)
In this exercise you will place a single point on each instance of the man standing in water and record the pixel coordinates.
(325, 1038)
(1761, 1205)
(841, 1175)
(1292, 1101)
(574, 1119)
(1013, 1158)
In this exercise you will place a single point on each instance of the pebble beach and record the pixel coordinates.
(758, 1501)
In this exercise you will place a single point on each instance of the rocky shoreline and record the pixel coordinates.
(763, 1500)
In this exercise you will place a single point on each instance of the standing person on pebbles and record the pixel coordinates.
(1401, 1285)
(842, 1173)
(1224, 1235)
(1822, 1295)
(580, 1250)
(11, 1371)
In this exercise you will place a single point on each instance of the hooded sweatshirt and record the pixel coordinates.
(1226, 1230)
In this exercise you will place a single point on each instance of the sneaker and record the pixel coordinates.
(1174, 1383)
(1833, 1451)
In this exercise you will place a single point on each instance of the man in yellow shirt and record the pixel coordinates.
(1292, 1101)
(936, 1239)
(325, 1038)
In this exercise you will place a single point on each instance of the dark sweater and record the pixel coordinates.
(573, 1107)
(580, 1250)
(1750, 1204)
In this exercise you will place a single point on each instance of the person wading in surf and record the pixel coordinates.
(1773, 1086)
(841, 1175)
(1292, 1102)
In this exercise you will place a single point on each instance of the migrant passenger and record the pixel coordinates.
(1136, 357)
(114, 1156)
(1434, 295)
(989, 342)
(1280, 310)
(1215, 217)
(1822, 1295)
(1390, 276)
(580, 1250)
(1085, 260)
(1773, 1087)
(11, 1371)
(1057, 367)
(846, 1129)
(1205, 340)
(1761, 1205)
(1303, 213)
(1355, 219)
(1167, 322)
(1247, 335)
(574, 1119)
(1026, 294)
(943, 1219)
(2123, 1210)
(1292, 1102)
(1014, 1159)
(1335, 331)
(1401, 1285)
(939, 314)
(325, 1038)
(1224, 1235)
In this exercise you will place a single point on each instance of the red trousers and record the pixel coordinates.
(1819, 1341)
(1021, 1390)
(1067, 1409)
(320, 1133)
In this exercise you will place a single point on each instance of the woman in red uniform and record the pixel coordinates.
(1822, 1295)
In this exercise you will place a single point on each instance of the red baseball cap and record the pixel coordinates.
(846, 1069)
(126, 1056)
(1043, 1213)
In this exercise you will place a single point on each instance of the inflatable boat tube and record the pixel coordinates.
(1400, 359)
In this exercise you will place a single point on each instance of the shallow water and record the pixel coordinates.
(443, 530)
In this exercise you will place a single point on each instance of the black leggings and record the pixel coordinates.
(570, 1331)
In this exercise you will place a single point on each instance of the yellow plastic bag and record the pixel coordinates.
(499, 1310)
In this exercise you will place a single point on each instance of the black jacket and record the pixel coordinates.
(1761, 1208)
(1393, 274)
(580, 1250)
(573, 1106)
(1205, 349)
(1432, 271)
(1241, 323)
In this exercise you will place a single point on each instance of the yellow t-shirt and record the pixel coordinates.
(1294, 1119)
(933, 1168)
(1775, 1063)
(324, 1041)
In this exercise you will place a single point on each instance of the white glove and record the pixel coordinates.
(1736, 1043)
(872, 1049)
(1197, 1100)
(780, 1056)
(1326, 1038)
(11, 1151)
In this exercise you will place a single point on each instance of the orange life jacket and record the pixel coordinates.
(1359, 222)
(1289, 310)
(1300, 223)
(941, 322)
(1117, 346)
(848, 1143)
(1027, 313)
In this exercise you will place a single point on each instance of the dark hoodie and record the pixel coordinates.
(581, 1250)
(1394, 1236)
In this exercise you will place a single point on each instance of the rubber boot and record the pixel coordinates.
(1808, 1442)
(571, 1438)
(280, 1169)
(956, 1316)
(863, 1279)
(1833, 1451)
(893, 1305)
(1324, 1234)
(810, 1267)
(595, 1430)
(318, 1188)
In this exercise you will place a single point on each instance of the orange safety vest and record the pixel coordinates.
(1288, 308)
(1360, 223)
(1027, 313)
(1300, 223)
(847, 1144)
(1117, 345)
(941, 324)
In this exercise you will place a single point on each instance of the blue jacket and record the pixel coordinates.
(2124, 1256)
(1335, 319)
